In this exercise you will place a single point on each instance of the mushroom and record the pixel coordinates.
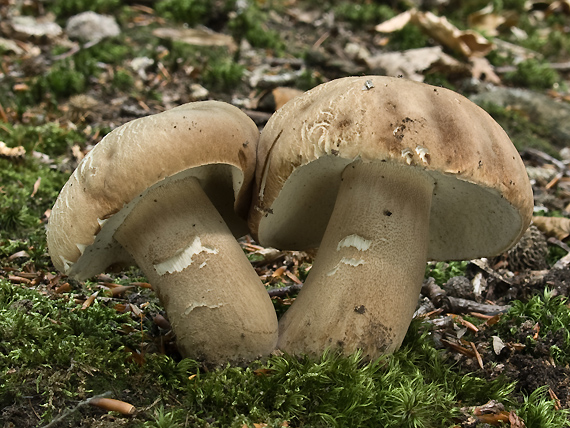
(159, 191)
(381, 174)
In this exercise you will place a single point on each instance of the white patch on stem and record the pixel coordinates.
(356, 241)
(346, 261)
(193, 306)
(183, 259)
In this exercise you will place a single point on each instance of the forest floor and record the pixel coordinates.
(66, 80)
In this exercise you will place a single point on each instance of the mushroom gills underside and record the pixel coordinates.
(467, 220)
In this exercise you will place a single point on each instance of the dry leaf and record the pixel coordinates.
(63, 288)
(396, 23)
(485, 20)
(515, 421)
(89, 300)
(11, 152)
(196, 37)
(558, 227)
(468, 42)
(113, 405)
(36, 187)
(20, 254)
(284, 94)
(411, 63)
(483, 70)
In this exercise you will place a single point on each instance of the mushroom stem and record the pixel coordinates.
(365, 282)
(214, 299)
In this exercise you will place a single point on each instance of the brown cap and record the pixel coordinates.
(482, 201)
(211, 140)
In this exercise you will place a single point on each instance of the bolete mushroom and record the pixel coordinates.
(381, 174)
(166, 191)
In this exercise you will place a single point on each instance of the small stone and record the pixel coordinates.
(92, 27)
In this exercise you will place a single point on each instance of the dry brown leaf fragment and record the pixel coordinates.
(89, 300)
(36, 187)
(481, 69)
(19, 255)
(515, 420)
(396, 23)
(411, 63)
(63, 288)
(486, 20)
(495, 420)
(11, 152)
(558, 227)
(113, 405)
(467, 42)
(196, 37)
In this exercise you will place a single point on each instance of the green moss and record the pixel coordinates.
(122, 80)
(20, 213)
(553, 316)
(360, 14)
(191, 12)
(443, 272)
(523, 132)
(48, 138)
(533, 74)
(63, 8)
(409, 37)
(250, 24)
(222, 73)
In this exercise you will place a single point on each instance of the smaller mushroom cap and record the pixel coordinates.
(211, 140)
(482, 201)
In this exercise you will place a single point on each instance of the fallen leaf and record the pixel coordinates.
(467, 42)
(410, 63)
(63, 288)
(485, 20)
(495, 420)
(264, 372)
(89, 300)
(19, 255)
(396, 23)
(36, 187)
(196, 37)
(515, 420)
(558, 227)
(498, 344)
(11, 152)
(113, 405)
(481, 69)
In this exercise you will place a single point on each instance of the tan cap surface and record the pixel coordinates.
(482, 201)
(211, 140)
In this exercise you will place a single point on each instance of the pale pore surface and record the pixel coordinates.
(363, 287)
(299, 216)
(214, 299)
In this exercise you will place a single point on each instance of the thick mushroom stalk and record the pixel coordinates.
(365, 282)
(215, 301)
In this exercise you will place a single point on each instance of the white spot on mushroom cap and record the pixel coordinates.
(423, 153)
(408, 155)
(368, 85)
(183, 259)
(356, 241)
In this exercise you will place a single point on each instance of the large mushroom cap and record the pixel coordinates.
(210, 140)
(482, 200)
